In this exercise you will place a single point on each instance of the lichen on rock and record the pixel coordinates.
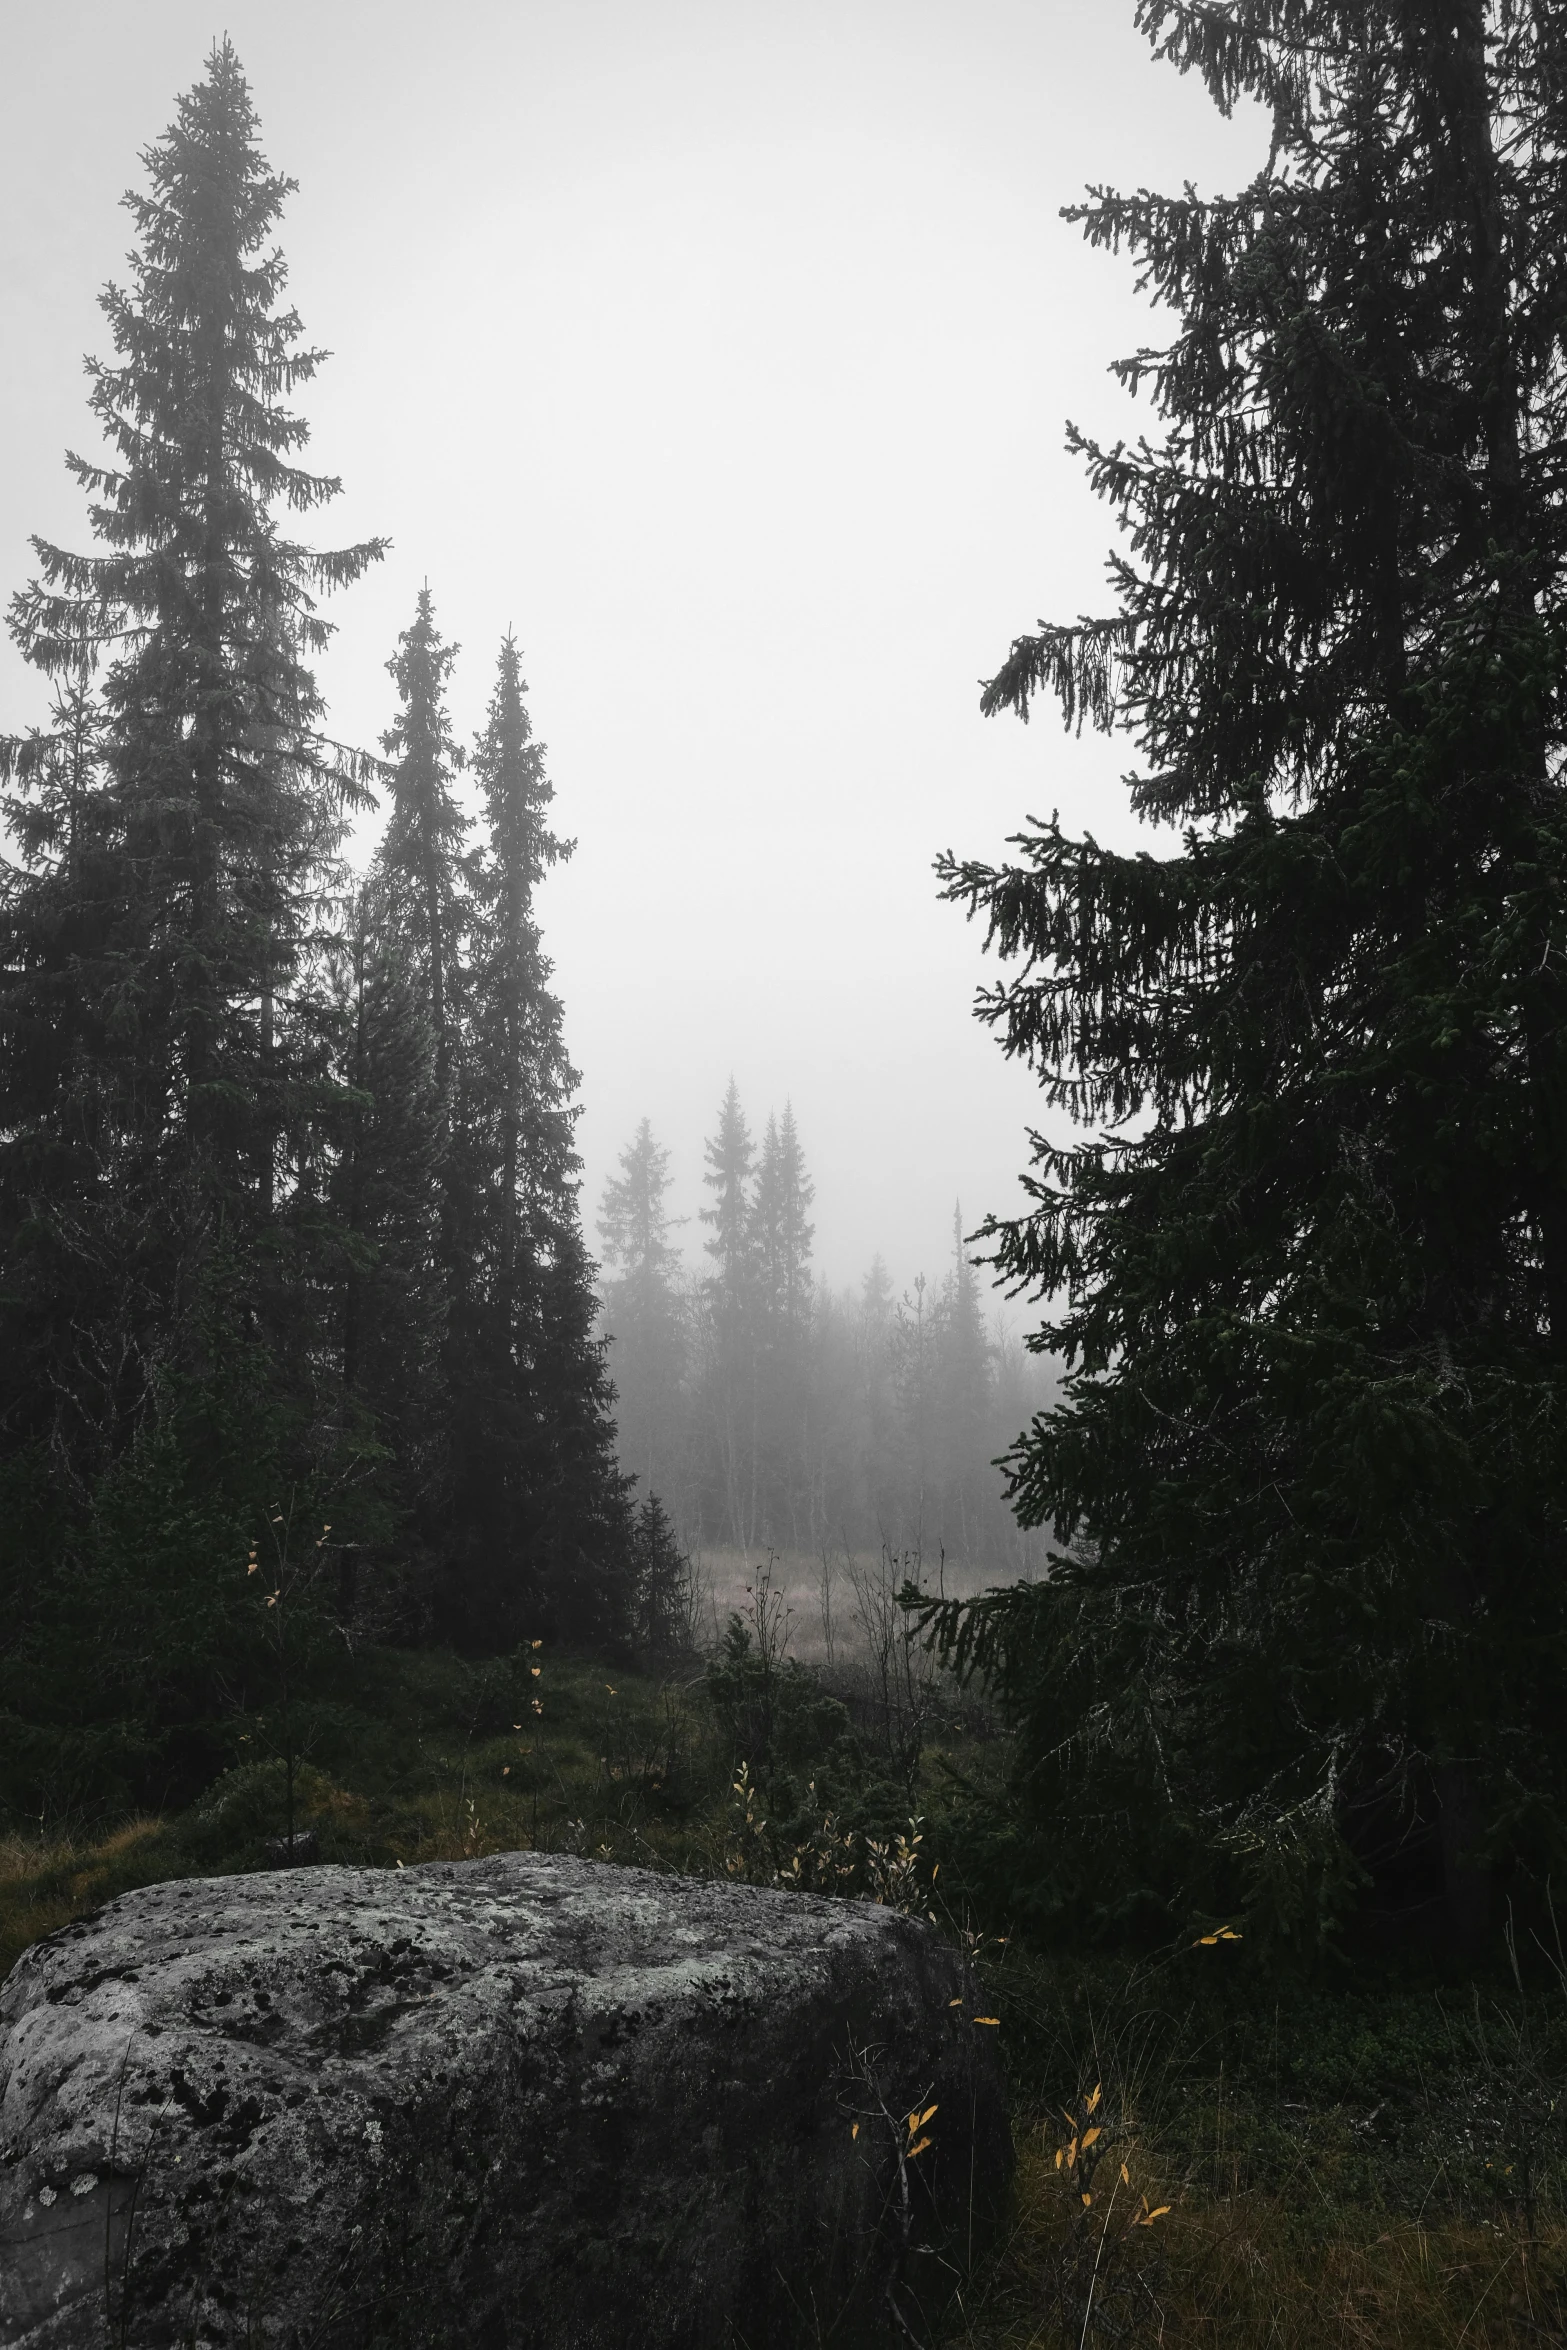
(522, 2103)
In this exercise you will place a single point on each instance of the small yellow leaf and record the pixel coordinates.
(987, 2019)
(506, 1770)
(272, 1599)
(854, 2133)
(1205, 1941)
(611, 1691)
(1126, 2176)
(253, 1568)
(1060, 2156)
(1088, 2199)
(919, 2149)
(1071, 2154)
(954, 2003)
(1094, 2100)
(1089, 2136)
(535, 1644)
(925, 2116)
(1157, 2212)
(535, 1670)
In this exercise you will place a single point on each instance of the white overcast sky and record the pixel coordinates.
(723, 350)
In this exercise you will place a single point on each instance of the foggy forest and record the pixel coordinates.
(988, 1384)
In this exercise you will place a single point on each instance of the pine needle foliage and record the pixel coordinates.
(1306, 1246)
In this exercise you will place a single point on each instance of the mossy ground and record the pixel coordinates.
(417, 1756)
(1366, 2161)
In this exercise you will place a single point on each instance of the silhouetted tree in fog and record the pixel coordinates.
(539, 1516)
(644, 1315)
(200, 821)
(731, 1417)
(172, 1265)
(1307, 1245)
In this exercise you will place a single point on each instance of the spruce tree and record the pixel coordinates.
(540, 1515)
(1309, 1610)
(167, 1022)
(213, 813)
(421, 856)
(61, 1237)
(386, 1191)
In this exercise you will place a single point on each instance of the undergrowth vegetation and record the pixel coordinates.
(1208, 2151)
(1380, 2163)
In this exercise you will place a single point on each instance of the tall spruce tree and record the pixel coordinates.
(167, 1014)
(540, 1515)
(421, 916)
(421, 855)
(385, 1198)
(202, 830)
(1308, 1475)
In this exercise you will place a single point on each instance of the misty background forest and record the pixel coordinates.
(769, 1412)
(1157, 1579)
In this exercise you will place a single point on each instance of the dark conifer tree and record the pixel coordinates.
(540, 1516)
(63, 1240)
(421, 855)
(167, 1024)
(663, 1584)
(211, 820)
(1314, 1278)
(387, 1186)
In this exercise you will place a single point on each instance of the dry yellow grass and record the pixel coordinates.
(1261, 2272)
(45, 1885)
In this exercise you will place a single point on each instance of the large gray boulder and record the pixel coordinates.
(527, 2101)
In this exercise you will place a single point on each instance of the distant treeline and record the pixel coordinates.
(767, 1409)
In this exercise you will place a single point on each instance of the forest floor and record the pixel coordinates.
(1366, 2163)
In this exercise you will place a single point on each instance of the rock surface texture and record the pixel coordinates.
(527, 2103)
